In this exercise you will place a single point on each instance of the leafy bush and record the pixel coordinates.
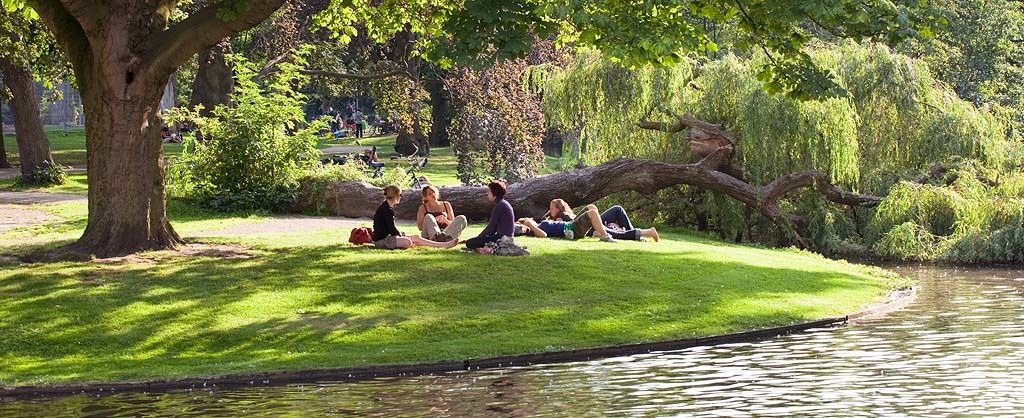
(47, 174)
(252, 153)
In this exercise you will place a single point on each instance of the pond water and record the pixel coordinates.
(958, 350)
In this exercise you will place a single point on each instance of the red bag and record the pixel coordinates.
(361, 235)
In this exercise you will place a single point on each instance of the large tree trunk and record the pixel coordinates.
(578, 187)
(127, 210)
(33, 146)
(214, 80)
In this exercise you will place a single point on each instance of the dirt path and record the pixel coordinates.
(32, 198)
(13, 217)
(343, 149)
(14, 172)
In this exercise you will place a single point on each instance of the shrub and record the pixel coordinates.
(47, 174)
(252, 153)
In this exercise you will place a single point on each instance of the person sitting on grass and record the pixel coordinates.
(386, 234)
(436, 219)
(577, 228)
(502, 222)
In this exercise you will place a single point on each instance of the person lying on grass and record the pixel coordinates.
(615, 221)
(577, 228)
(436, 219)
(502, 222)
(386, 234)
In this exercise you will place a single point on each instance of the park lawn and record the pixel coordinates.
(310, 300)
(68, 148)
(76, 183)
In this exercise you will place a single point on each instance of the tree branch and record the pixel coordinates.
(87, 13)
(167, 50)
(69, 34)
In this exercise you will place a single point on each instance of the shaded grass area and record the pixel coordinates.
(310, 300)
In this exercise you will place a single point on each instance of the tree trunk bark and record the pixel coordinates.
(127, 202)
(33, 146)
(4, 163)
(214, 80)
(440, 113)
(578, 187)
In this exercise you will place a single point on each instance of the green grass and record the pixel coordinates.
(310, 300)
(76, 184)
(68, 148)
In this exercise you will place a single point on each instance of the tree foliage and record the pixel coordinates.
(253, 152)
(896, 121)
(497, 127)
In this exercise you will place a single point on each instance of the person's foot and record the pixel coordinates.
(450, 244)
(654, 234)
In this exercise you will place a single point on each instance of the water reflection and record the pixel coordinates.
(956, 351)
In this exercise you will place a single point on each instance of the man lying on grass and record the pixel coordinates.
(386, 234)
(577, 228)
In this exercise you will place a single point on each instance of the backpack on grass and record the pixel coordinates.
(361, 235)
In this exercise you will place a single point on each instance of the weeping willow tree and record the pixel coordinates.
(895, 121)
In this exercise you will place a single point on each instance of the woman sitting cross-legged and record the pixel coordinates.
(502, 222)
(386, 234)
(436, 219)
(577, 228)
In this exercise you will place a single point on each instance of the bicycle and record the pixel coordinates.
(416, 163)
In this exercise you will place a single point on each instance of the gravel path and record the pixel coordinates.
(13, 216)
(10, 173)
(32, 198)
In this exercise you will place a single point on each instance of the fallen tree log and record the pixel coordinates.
(578, 187)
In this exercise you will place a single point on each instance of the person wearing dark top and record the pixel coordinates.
(615, 220)
(502, 222)
(386, 234)
(576, 228)
(436, 219)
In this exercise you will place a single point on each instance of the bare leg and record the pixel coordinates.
(595, 221)
(417, 240)
(650, 233)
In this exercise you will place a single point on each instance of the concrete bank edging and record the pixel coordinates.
(898, 300)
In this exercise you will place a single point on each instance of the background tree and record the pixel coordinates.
(4, 163)
(26, 47)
